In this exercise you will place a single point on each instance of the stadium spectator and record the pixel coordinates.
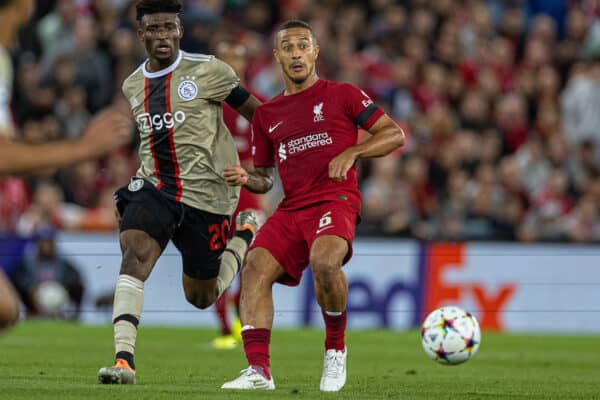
(550, 205)
(581, 225)
(381, 197)
(55, 29)
(72, 111)
(509, 72)
(47, 282)
(580, 104)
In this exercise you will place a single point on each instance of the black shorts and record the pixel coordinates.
(200, 236)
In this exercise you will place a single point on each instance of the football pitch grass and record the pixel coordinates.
(59, 361)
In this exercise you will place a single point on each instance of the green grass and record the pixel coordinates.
(59, 361)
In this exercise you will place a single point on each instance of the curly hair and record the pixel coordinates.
(144, 7)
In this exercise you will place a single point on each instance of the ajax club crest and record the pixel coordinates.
(187, 90)
(135, 184)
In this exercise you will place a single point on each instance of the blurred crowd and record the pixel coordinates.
(500, 100)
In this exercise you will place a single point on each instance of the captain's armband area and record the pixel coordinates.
(237, 96)
(364, 116)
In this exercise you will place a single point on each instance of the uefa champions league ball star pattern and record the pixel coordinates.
(450, 335)
(51, 298)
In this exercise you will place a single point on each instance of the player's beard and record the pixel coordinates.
(298, 80)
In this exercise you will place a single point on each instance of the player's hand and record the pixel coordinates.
(341, 164)
(107, 131)
(235, 175)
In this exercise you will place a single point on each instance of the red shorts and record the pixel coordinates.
(289, 235)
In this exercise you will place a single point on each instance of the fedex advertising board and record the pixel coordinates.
(392, 283)
(543, 288)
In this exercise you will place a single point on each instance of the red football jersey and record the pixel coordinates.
(304, 131)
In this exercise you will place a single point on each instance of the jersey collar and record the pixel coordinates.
(163, 71)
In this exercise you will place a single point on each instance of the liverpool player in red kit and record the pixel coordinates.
(310, 133)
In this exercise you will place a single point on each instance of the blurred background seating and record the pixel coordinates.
(500, 101)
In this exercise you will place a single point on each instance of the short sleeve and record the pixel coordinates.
(220, 81)
(359, 107)
(262, 147)
(125, 89)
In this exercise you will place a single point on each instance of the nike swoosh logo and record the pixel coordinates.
(272, 128)
(323, 229)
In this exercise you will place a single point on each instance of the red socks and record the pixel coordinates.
(256, 346)
(221, 309)
(256, 341)
(335, 327)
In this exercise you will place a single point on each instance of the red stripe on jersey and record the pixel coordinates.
(150, 135)
(171, 138)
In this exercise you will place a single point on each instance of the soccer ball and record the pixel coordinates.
(51, 298)
(450, 335)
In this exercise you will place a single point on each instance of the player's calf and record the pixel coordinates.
(233, 256)
(127, 310)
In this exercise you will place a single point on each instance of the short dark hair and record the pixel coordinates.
(144, 7)
(296, 23)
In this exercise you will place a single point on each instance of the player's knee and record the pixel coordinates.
(133, 264)
(200, 298)
(260, 271)
(325, 271)
(137, 260)
(251, 272)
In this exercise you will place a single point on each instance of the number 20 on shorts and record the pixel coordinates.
(218, 235)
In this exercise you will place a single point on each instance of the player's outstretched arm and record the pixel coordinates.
(105, 133)
(258, 181)
(386, 136)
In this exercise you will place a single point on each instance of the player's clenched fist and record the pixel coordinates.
(235, 175)
(341, 164)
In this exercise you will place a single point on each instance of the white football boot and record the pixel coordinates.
(250, 379)
(334, 370)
